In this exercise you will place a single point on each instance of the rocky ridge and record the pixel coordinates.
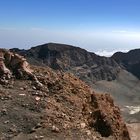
(86, 65)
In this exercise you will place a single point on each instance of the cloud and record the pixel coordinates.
(109, 53)
(125, 33)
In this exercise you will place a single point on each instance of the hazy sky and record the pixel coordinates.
(102, 26)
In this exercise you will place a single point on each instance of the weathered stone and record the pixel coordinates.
(83, 125)
(55, 129)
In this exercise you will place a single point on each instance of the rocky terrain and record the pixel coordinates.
(41, 103)
(118, 75)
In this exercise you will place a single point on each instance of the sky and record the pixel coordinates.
(101, 26)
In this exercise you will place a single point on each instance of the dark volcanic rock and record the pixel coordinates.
(130, 61)
(86, 65)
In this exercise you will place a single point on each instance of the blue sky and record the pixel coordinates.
(97, 25)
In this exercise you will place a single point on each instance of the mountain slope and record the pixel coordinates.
(125, 91)
(130, 61)
(86, 65)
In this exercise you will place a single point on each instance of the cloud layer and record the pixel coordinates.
(109, 53)
(101, 42)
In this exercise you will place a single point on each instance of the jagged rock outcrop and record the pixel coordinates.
(12, 64)
(86, 65)
(130, 61)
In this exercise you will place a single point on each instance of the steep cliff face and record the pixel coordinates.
(87, 66)
(62, 108)
(130, 61)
